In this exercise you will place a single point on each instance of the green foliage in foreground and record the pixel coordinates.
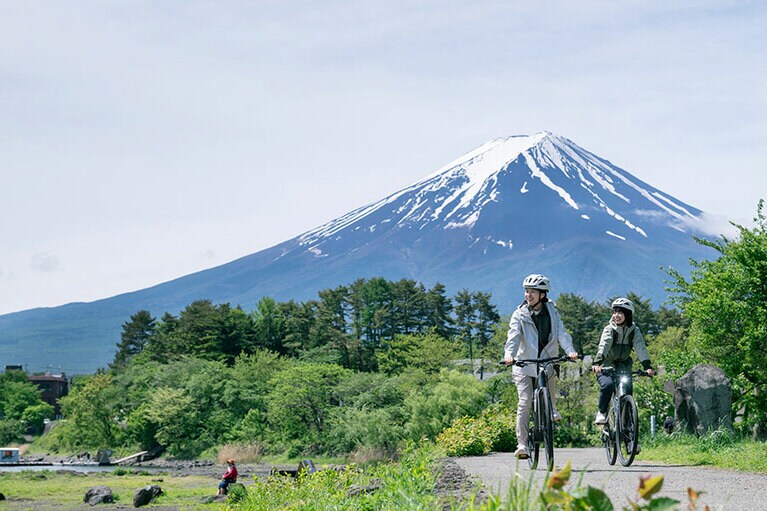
(723, 449)
(407, 484)
(523, 496)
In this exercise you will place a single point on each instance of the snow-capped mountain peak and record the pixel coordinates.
(525, 173)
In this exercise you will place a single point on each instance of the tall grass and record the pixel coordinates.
(721, 448)
(408, 484)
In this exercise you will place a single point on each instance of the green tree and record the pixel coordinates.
(34, 417)
(583, 320)
(429, 352)
(90, 410)
(135, 336)
(440, 309)
(16, 396)
(726, 301)
(300, 400)
(297, 320)
(11, 431)
(268, 325)
(166, 343)
(465, 320)
(487, 322)
(174, 414)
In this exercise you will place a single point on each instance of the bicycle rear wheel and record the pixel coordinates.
(628, 431)
(547, 427)
(609, 436)
(533, 433)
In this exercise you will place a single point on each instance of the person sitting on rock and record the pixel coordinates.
(230, 477)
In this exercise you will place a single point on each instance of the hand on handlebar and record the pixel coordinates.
(650, 372)
(597, 369)
(508, 361)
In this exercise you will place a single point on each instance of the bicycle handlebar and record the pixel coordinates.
(523, 363)
(611, 369)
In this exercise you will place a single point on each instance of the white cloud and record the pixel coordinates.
(44, 263)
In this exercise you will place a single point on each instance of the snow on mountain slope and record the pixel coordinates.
(527, 174)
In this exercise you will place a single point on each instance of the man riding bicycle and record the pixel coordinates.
(534, 330)
(619, 337)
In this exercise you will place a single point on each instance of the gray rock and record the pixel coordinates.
(144, 496)
(99, 495)
(703, 399)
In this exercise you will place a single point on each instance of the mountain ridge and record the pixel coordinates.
(512, 206)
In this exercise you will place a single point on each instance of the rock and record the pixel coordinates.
(144, 496)
(99, 495)
(668, 425)
(703, 399)
(306, 466)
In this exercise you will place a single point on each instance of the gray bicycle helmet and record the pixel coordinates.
(536, 281)
(624, 303)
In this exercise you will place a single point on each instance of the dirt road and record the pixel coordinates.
(725, 490)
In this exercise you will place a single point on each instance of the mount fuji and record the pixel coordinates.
(513, 206)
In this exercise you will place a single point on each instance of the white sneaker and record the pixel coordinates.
(557, 417)
(521, 453)
(601, 418)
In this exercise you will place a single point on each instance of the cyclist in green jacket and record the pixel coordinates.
(619, 338)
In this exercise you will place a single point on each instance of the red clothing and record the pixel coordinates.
(231, 474)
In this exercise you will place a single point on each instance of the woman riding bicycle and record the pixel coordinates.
(619, 337)
(534, 330)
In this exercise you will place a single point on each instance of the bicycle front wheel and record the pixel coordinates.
(609, 436)
(533, 433)
(547, 424)
(628, 431)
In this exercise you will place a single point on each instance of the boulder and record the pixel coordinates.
(703, 399)
(144, 496)
(99, 495)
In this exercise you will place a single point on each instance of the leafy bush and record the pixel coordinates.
(433, 409)
(11, 431)
(467, 436)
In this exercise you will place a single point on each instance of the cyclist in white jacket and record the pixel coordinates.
(535, 331)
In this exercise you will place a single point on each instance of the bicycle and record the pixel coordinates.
(620, 435)
(540, 430)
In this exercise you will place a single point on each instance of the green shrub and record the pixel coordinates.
(468, 436)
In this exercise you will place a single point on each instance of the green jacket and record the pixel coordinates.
(617, 343)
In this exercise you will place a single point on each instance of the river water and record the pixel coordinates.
(62, 466)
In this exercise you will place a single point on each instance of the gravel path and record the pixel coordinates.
(725, 490)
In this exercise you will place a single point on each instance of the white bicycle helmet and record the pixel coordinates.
(536, 281)
(624, 303)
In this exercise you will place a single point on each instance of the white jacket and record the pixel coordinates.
(522, 339)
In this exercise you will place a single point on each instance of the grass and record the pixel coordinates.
(60, 491)
(387, 486)
(722, 449)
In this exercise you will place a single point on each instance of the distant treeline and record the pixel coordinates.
(348, 325)
(352, 325)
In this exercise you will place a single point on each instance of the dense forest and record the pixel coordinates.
(366, 367)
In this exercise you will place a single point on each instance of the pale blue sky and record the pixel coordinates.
(143, 140)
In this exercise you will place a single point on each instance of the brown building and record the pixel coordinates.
(52, 388)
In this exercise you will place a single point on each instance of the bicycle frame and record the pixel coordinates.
(621, 433)
(541, 426)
